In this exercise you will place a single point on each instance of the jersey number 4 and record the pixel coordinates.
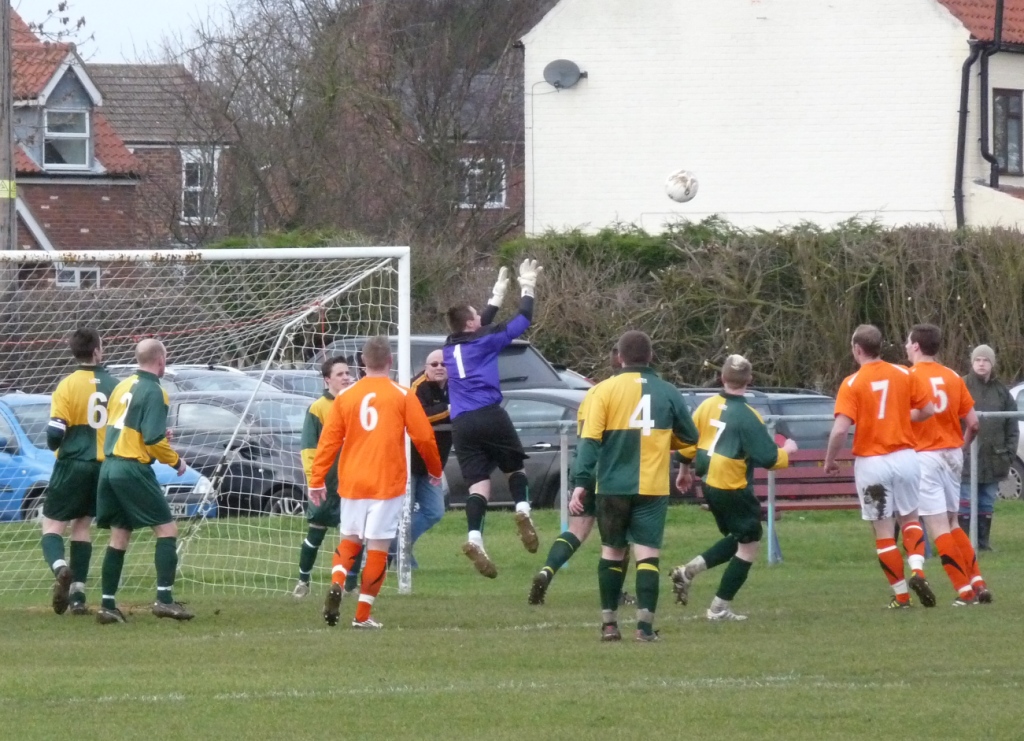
(641, 416)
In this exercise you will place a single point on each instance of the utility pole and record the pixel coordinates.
(8, 190)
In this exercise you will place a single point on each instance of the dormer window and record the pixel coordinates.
(66, 139)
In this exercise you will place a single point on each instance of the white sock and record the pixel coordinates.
(476, 538)
(58, 564)
(719, 605)
(523, 507)
(697, 565)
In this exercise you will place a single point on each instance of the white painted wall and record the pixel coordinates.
(786, 110)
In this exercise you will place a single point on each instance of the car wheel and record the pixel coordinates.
(287, 501)
(32, 506)
(1012, 487)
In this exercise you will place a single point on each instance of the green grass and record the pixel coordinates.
(467, 658)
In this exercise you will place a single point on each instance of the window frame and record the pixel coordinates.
(66, 136)
(76, 281)
(474, 167)
(1002, 121)
(207, 192)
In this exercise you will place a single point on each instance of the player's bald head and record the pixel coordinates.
(150, 351)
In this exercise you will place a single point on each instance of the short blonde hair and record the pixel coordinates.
(377, 353)
(737, 371)
(149, 351)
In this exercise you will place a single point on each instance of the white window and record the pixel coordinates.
(77, 277)
(483, 183)
(199, 185)
(66, 140)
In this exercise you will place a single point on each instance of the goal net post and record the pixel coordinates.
(246, 331)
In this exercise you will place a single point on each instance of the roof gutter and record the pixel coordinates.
(961, 133)
(989, 50)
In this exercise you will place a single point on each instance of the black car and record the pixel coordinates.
(541, 445)
(264, 473)
(305, 382)
(520, 365)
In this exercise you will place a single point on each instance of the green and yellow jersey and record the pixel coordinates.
(631, 424)
(137, 421)
(733, 441)
(312, 427)
(78, 414)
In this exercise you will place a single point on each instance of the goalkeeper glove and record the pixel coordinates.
(500, 287)
(529, 271)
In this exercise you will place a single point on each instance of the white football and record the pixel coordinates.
(681, 186)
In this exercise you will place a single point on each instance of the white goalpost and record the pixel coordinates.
(246, 331)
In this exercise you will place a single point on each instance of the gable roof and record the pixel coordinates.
(154, 103)
(979, 17)
(21, 32)
(33, 66)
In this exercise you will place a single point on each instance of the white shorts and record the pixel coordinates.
(371, 519)
(887, 484)
(940, 480)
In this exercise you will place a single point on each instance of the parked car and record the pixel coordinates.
(264, 466)
(26, 464)
(543, 470)
(306, 382)
(1012, 487)
(179, 378)
(572, 379)
(520, 365)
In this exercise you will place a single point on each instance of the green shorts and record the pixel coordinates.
(327, 513)
(737, 513)
(625, 519)
(72, 490)
(129, 496)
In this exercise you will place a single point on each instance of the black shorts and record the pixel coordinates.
(484, 439)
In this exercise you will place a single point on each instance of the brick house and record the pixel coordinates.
(89, 171)
(786, 111)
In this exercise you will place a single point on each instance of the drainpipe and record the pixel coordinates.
(961, 136)
(990, 49)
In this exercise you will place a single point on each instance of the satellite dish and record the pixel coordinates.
(562, 73)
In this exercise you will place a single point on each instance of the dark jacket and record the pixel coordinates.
(434, 399)
(997, 438)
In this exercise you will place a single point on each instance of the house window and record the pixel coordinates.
(199, 185)
(1007, 130)
(78, 277)
(66, 140)
(483, 183)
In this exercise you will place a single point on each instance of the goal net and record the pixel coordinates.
(246, 332)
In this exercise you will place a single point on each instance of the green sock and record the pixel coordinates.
(81, 556)
(166, 559)
(609, 580)
(352, 579)
(113, 562)
(53, 549)
(647, 581)
(310, 548)
(720, 552)
(561, 551)
(733, 578)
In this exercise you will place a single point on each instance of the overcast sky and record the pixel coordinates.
(124, 30)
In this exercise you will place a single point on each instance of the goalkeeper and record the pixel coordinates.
(337, 378)
(482, 433)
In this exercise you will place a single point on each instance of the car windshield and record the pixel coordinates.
(305, 385)
(279, 415)
(216, 381)
(33, 419)
(807, 431)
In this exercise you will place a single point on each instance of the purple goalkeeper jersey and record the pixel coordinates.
(472, 364)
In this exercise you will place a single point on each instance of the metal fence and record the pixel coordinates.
(567, 429)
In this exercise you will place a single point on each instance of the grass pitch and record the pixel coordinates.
(467, 658)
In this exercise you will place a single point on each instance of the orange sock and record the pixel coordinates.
(913, 543)
(968, 556)
(953, 563)
(373, 580)
(891, 561)
(344, 559)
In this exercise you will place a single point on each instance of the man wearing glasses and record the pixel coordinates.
(431, 388)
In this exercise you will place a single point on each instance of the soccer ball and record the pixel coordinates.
(681, 186)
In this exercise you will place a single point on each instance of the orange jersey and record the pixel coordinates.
(878, 398)
(952, 403)
(367, 424)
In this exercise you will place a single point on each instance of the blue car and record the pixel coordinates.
(26, 464)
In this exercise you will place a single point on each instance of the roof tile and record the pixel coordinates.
(979, 17)
(110, 149)
(34, 65)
